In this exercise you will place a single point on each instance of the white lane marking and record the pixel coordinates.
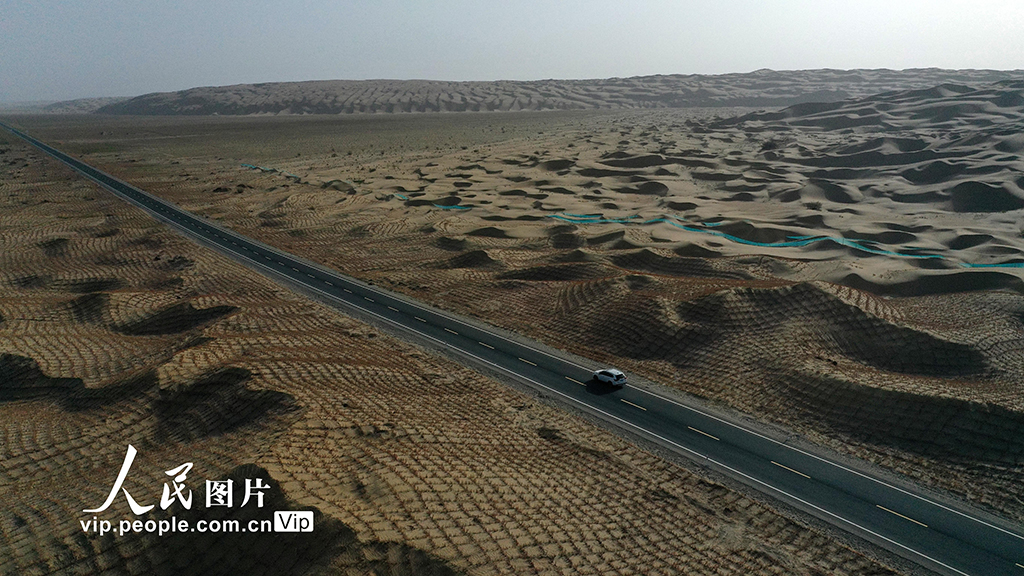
(527, 361)
(704, 433)
(836, 464)
(790, 469)
(575, 380)
(452, 331)
(1019, 565)
(837, 517)
(633, 405)
(328, 282)
(368, 298)
(295, 269)
(908, 493)
(310, 275)
(901, 515)
(745, 430)
(486, 345)
(643, 430)
(347, 290)
(648, 432)
(420, 319)
(392, 308)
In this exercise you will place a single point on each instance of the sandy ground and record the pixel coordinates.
(113, 330)
(850, 271)
(758, 88)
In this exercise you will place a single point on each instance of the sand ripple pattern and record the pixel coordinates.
(123, 332)
(760, 88)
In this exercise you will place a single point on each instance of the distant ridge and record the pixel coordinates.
(79, 106)
(82, 105)
(760, 88)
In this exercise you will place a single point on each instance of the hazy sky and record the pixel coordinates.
(57, 50)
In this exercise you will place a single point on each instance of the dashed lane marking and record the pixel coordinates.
(633, 405)
(704, 433)
(902, 516)
(527, 361)
(837, 465)
(486, 345)
(575, 380)
(683, 448)
(790, 469)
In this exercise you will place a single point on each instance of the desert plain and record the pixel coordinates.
(849, 272)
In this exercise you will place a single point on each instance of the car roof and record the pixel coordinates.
(612, 371)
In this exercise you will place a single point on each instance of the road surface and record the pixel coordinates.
(946, 537)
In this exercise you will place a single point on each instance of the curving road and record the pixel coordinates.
(945, 537)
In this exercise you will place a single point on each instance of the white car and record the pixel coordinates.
(611, 376)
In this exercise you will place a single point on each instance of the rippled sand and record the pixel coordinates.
(847, 270)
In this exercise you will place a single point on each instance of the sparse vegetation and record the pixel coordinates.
(413, 463)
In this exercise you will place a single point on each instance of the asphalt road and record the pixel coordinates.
(946, 537)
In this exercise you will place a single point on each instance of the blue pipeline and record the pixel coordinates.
(795, 241)
(858, 244)
(597, 219)
(254, 167)
(1005, 265)
(589, 220)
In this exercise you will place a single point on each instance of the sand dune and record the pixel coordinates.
(753, 260)
(78, 106)
(115, 330)
(904, 193)
(760, 88)
(904, 163)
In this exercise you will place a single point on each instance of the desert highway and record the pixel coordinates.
(945, 537)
